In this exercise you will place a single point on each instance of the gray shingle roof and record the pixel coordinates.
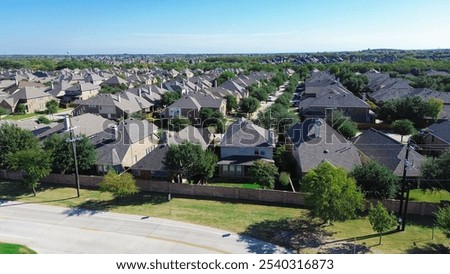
(310, 150)
(154, 161)
(441, 130)
(244, 133)
(188, 134)
(379, 147)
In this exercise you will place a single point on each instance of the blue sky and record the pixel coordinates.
(227, 26)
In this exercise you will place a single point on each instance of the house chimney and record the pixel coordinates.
(140, 92)
(215, 83)
(161, 85)
(115, 131)
(67, 123)
(119, 98)
(52, 85)
(271, 137)
(317, 126)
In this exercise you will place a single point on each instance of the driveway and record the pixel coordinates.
(57, 230)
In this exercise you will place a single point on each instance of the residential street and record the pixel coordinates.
(57, 230)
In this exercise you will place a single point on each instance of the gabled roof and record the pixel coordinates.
(154, 161)
(133, 130)
(311, 149)
(244, 133)
(115, 80)
(86, 124)
(441, 130)
(188, 134)
(83, 86)
(379, 147)
(332, 100)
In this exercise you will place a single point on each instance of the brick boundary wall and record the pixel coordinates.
(276, 197)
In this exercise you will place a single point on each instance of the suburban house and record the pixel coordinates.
(17, 85)
(375, 145)
(116, 81)
(241, 145)
(80, 91)
(314, 141)
(188, 134)
(151, 93)
(129, 142)
(33, 98)
(87, 124)
(324, 105)
(437, 138)
(189, 106)
(151, 166)
(112, 106)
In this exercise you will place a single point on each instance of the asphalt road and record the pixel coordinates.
(58, 230)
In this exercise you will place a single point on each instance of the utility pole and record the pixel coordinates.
(73, 140)
(403, 209)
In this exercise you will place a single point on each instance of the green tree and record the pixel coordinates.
(232, 103)
(343, 124)
(34, 162)
(169, 98)
(225, 76)
(191, 161)
(43, 120)
(120, 185)
(435, 171)
(443, 219)
(380, 219)
(21, 109)
(434, 107)
(13, 139)
(264, 173)
(376, 180)
(278, 116)
(249, 105)
(177, 123)
(52, 106)
(403, 127)
(62, 154)
(333, 194)
(5, 112)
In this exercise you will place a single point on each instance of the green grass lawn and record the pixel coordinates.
(15, 249)
(16, 117)
(427, 195)
(290, 227)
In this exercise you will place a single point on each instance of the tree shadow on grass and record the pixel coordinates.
(429, 248)
(289, 233)
(11, 190)
(345, 248)
(92, 207)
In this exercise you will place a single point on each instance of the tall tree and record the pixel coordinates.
(61, 152)
(403, 127)
(434, 107)
(120, 185)
(264, 173)
(232, 103)
(13, 139)
(443, 219)
(333, 194)
(376, 180)
(225, 76)
(436, 172)
(343, 124)
(169, 98)
(177, 123)
(34, 162)
(52, 106)
(249, 104)
(380, 219)
(190, 161)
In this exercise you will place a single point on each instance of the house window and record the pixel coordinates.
(262, 152)
(225, 170)
(232, 170)
(256, 152)
(432, 138)
(239, 171)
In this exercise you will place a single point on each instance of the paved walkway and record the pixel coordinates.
(56, 230)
